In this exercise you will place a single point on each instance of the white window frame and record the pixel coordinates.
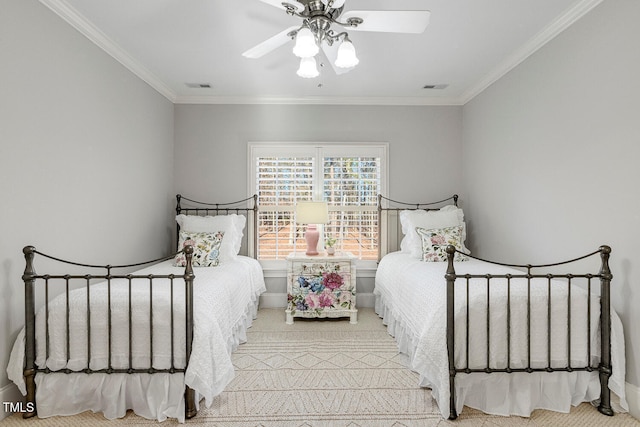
(318, 150)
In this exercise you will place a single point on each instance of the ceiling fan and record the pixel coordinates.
(316, 34)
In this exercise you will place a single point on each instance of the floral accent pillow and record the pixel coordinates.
(436, 240)
(206, 248)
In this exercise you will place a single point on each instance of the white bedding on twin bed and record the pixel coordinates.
(411, 299)
(225, 303)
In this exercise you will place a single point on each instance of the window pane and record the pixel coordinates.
(351, 187)
(281, 182)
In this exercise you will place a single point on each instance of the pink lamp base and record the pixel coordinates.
(312, 235)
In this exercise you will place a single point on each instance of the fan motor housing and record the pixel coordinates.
(313, 8)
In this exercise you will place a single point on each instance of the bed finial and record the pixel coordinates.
(178, 207)
(455, 199)
(188, 253)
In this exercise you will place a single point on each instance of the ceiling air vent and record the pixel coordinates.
(199, 85)
(434, 86)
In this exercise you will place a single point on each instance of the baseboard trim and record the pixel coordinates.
(9, 393)
(279, 300)
(633, 399)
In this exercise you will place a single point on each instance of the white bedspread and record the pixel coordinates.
(411, 298)
(225, 303)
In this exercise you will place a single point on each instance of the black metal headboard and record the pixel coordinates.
(389, 227)
(247, 207)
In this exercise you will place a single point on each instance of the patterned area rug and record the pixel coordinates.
(329, 373)
(320, 372)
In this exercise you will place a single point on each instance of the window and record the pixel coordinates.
(347, 177)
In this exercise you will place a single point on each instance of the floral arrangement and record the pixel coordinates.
(321, 291)
(330, 241)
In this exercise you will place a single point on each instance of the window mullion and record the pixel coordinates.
(318, 175)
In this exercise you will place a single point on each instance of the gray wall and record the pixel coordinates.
(211, 149)
(86, 155)
(211, 143)
(551, 156)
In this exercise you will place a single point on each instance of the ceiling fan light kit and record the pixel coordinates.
(315, 33)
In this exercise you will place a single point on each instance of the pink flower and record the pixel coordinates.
(326, 298)
(438, 240)
(312, 300)
(332, 280)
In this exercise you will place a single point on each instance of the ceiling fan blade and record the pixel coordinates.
(331, 53)
(279, 4)
(389, 21)
(270, 44)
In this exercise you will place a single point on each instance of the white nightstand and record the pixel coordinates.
(321, 286)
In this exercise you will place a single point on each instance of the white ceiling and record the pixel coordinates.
(467, 45)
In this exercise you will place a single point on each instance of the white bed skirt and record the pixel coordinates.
(153, 396)
(507, 394)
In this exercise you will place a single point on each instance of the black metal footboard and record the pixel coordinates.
(568, 280)
(35, 282)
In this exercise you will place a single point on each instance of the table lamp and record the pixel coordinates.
(312, 213)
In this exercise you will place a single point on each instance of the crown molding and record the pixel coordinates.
(86, 28)
(389, 101)
(560, 24)
(76, 20)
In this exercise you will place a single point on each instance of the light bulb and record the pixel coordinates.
(346, 55)
(305, 46)
(308, 69)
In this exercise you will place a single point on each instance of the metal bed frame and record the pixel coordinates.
(604, 277)
(34, 281)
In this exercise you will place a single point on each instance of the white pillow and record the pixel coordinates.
(447, 216)
(232, 225)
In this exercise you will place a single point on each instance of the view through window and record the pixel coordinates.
(347, 177)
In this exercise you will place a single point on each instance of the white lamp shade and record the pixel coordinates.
(305, 46)
(308, 68)
(312, 213)
(346, 55)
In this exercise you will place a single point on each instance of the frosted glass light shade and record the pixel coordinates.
(308, 68)
(305, 46)
(346, 55)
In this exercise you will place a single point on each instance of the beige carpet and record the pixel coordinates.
(330, 373)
